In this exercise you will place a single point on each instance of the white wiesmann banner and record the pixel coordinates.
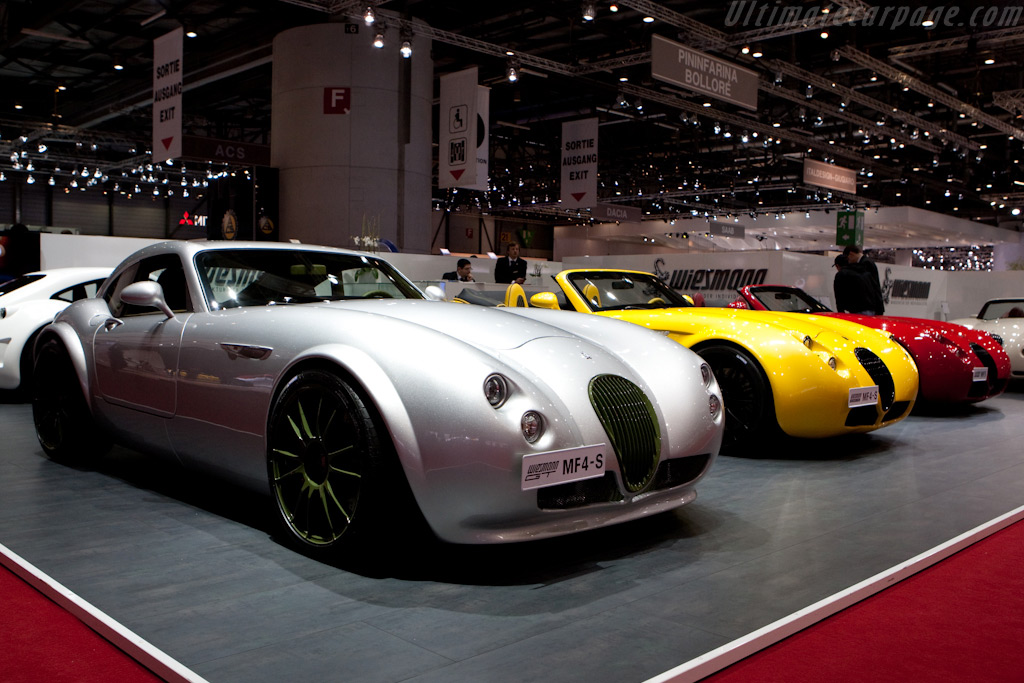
(676, 63)
(830, 176)
(483, 143)
(168, 74)
(457, 165)
(579, 164)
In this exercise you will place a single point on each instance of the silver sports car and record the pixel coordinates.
(329, 376)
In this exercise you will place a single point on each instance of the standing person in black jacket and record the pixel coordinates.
(511, 268)
(852, 290)
(866, 267)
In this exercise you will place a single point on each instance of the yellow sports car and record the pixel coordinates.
(808, 375)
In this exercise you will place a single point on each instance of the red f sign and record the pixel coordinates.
(337, 100)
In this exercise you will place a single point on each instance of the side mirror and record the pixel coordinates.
(545, 300)
(148, 294)
(434, 293)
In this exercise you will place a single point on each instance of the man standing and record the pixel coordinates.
(511, 268)
(852, 290)
(862, 265)
(463, 272)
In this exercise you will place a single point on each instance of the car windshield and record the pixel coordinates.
(788, 300)
(260, 277)
(1003, 308)
(18, 283)
(616, 291)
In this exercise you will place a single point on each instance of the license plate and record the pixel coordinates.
(980, 374)
(863, 396)
(558, 467)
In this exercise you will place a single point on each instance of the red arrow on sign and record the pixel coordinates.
(167, 143)
(458, 173)
(578, 195)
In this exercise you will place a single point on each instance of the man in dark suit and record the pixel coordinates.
(862, 265)
(463, 272)
(511, 268)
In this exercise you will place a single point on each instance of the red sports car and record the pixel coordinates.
(956, 364)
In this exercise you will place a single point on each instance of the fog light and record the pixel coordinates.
(714, 405)
(532, 425)
(495, 390)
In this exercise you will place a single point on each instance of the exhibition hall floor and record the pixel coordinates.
(188, 563)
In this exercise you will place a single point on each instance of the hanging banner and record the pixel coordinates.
(620, 213)
(457, 165)
(167, 79)
(579, 164)
(483, 133)
(681, 65)
(830, 176)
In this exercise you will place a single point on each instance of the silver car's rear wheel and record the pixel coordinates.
(64, 425)
(324, 463)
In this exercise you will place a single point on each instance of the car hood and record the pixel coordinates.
(485, 328)
(686, 319)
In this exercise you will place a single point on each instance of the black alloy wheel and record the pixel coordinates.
(325, 464)
(64, 425)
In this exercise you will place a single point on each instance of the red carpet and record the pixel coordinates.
(40, 642)
(959, 620)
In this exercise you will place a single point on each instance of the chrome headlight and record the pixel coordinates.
(808, 342)
(705, 373)
(999, 340)
(832, 362)
(496, 390)
(532, 424)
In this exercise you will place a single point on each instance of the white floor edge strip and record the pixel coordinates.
(730, 653)
(143, 652)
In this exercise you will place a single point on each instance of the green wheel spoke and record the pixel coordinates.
(287, 454)
(346, 472)
(305, 422)
(330, 491)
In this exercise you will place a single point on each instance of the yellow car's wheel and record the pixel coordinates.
(749, 408)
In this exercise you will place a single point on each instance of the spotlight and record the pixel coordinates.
(406, 49)
(368, 15)
(512, 72)
(757, 52)
(378, 39)
(588, 11)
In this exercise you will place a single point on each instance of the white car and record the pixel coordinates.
(29, 303)
(1004, 320)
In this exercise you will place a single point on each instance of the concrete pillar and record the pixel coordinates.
(367, 170)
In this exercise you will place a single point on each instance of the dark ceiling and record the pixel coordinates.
(930, 117)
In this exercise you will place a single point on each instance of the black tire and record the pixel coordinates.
(328, 467)
(64, 425)
(24, 389)
(746, 395)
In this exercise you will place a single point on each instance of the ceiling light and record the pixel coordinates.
(823, 34)
(378, 39)
(928, 23)
(406, 49)
(118, 66)
(990, 61)
(648, 20)
(190, 33)
(588, 11)
(745, 49)
(613, 7)
(368, 15)
(512, 72)
(757, 52)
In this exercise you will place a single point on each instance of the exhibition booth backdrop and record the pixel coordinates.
(913, 292)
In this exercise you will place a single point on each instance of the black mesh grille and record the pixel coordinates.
(679, 471)
(862, 416)
(576, 494)
(631, 425)
(880, 375)
(897, 410)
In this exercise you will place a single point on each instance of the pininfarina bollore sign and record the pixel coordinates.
(676, 63)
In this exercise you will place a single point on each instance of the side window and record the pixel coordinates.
(83, 291)
(165, 270)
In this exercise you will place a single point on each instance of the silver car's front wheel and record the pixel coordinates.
(324, 462)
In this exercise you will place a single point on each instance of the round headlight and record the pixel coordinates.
(832, 362)
(808, 342)
(714, 405)
(533, 425)
(495, 390)
(705, 373)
